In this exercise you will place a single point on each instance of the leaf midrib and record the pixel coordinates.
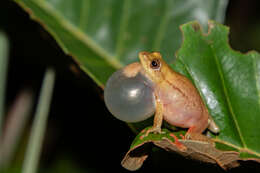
(236, 147)
(225, 92)
(257, 78)
(79, 34)
(241, 149)
(122, 27)
(227, 97)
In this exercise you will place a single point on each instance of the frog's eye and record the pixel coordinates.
(155, 64)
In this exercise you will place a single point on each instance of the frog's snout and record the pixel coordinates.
(144, 59)
(143, 56)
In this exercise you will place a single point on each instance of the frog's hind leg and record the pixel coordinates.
(194, 134)
(193, 130)
(189, 132)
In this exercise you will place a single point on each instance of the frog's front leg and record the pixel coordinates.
(157, 124)
(158, 119)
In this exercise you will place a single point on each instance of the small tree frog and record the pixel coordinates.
(177, 100)
(135, 92)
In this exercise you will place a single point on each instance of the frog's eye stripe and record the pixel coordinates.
(155, 64)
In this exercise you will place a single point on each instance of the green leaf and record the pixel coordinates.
(104, 35)
(202, 149)
(139, 139)
(229, 83)
(34, 146)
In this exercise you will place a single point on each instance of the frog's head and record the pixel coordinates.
(154, 66)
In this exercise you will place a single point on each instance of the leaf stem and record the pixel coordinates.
(3, 70)
(39, 124)
(16, 119)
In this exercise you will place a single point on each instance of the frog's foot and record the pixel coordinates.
(189, 132)
(179, 145)
(155, 130)
(191, 135)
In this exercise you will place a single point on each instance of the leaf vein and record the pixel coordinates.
(257, 78)
(228, 99)
(83, 14)
(79, 34)
(237, 147)
(162, 27)
(123, 23)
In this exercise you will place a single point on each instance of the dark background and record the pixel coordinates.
(81, 132)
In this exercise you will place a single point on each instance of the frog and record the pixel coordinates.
(177, 100)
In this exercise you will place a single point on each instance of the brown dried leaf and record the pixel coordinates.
(198, 150)
(135, 157)
(198, 147)
(203, 151)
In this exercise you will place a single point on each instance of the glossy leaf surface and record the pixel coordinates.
(203, 150)
(104, 35)
(228, 82)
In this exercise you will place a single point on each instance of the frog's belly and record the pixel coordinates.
(179, 116)
(180, 112)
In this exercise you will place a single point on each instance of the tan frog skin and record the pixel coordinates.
(177, 100)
